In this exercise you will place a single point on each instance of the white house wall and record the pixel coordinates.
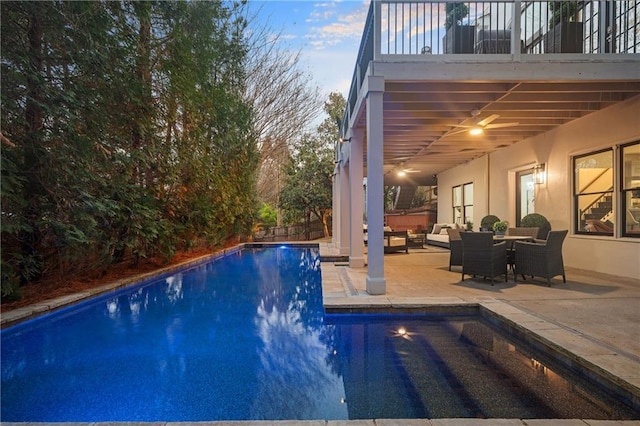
(612, 126)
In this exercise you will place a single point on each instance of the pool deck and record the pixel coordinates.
(593, 320)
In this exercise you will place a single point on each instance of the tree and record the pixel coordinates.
(456, 12)
(308, 188)
(126, 133)
(284, 100)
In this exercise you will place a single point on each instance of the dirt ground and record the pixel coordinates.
(55, 287)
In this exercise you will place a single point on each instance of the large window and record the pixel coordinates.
(593, 192)
(630, 187)
(597, 199)
(462, 197)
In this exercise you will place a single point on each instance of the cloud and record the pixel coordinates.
(341, 26)
(322, 12)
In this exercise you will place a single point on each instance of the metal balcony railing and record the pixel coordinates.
(411, 30)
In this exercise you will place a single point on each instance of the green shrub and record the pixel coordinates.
(268, 216)
(500, 226)
(533, 220)
(487, 222)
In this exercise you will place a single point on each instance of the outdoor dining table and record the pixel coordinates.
(510, 239)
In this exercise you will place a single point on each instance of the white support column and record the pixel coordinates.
(335, 207)
(376, 283)
(356, 176)
(345, 209)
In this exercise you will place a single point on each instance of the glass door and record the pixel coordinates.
(525, 194)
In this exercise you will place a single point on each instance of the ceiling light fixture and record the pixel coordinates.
(402, 173)
(475, 131)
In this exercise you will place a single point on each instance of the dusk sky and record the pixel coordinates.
(327, 33)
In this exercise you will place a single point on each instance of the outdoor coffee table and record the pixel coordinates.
(416, 241)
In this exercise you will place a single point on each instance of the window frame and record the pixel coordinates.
(463, 205)
(579, 227)
(625, 191)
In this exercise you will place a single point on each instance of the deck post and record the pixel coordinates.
(342, 216)
(355, 195)
(376, 283)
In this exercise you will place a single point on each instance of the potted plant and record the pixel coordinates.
(486, 224)
(565, 33)
(533, 220)
(469, 226)
(500, 227)
(458, 38)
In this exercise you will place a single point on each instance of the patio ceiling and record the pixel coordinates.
(420, 118)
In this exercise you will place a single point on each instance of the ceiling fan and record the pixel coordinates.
(477, 126)
(403, 171)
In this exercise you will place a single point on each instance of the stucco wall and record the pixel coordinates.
(474, 171)
(609, 127)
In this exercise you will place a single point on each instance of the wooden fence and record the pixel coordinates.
(290, 233)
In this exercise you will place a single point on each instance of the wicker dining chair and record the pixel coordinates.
(480, 256)
(455, 247)
(524, 232)
(520, 231)
(541, 259)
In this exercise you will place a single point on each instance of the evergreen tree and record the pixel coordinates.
(308, 189)
(125, 133)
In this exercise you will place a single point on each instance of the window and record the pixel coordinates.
(593, 193)
(467, 191)
(525, 194)
(462, 197)
(457, 204)
(630, 187)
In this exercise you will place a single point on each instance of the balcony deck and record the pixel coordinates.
(503, 59)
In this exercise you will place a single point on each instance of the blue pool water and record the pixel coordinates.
(245, 337)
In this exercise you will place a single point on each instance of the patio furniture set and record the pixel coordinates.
(487, 255)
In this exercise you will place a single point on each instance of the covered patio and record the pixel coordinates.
(413, 101)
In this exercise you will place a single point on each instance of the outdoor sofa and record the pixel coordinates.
(439, 236)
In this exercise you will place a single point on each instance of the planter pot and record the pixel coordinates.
(565, 37)
(500, 233)
(459, 39)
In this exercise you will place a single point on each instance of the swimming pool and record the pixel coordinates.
(245, 337)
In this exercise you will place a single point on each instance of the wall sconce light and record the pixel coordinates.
(343, 140)
(539, 174)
